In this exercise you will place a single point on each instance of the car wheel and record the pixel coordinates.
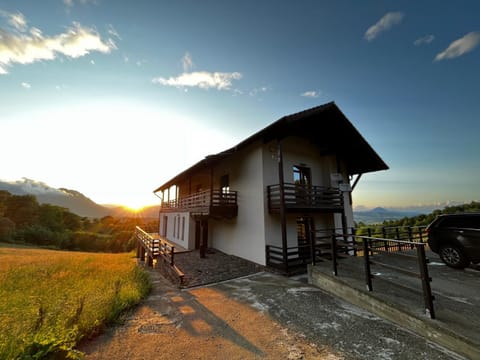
(453, 257)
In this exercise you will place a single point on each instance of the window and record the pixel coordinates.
(225, 184)
(183, 228)
(301, 175)
(178, 226)
(175, 226)
(165, 220)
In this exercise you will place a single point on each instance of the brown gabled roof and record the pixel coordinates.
(325, 126)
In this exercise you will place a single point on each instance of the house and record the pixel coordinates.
(269, 198)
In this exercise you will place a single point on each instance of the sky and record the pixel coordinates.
(114, 98)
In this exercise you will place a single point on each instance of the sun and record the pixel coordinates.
(134, 208)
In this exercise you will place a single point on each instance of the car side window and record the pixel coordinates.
(468, 222)
(448, 223)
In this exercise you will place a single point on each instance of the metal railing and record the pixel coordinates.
(371, 247)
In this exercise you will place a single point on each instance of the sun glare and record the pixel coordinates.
(134, 208)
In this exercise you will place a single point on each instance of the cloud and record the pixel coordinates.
(25, 47)
(28, 186)
(311, 94)
(112, 31)
(427, 39)
(187, 62)
(26, 85)
(17, 20)
(201, 79)
(460, 46)
(262, 89)
(385, 23)
(70, 3)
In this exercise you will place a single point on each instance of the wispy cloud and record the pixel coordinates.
(113, 32)
(16, 20)
(460, 46)
(201, 79)
(427, 39)
(70, 3)
(256, 91)
(311, 94)
(187, 62)
(385, 23)
(25, 46)
(26, 85)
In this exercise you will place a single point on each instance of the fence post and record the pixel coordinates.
(366, 257)
(369, 232)
(397, 233)
(172, 252)
(354, 240)
(312, 247)
(334, 253)
(427, 291)
(410, 236)
(384, 234)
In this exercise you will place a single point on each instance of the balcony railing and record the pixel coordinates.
(302, 198)
(216, 203)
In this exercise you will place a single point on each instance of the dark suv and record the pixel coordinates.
(456, 238)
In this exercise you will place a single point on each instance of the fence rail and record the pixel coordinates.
(151, 248)
(203, 200)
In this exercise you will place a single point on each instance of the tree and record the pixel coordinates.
(4, 195)
(22, 210)
(52, 217)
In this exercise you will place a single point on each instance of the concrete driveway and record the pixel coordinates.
(260, 316)
(325, 320)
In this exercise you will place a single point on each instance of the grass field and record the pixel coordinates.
(49, 299)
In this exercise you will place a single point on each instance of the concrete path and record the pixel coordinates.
(327, 321)
(261, 316)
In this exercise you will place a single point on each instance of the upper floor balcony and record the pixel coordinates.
(214, 203)
(304, 198)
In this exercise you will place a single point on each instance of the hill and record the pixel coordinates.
(379, 215)
(73, 200)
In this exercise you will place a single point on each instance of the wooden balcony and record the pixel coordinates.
(216, 204)
(302, 198)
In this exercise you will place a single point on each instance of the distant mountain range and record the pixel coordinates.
(73, 200)
(379, 215)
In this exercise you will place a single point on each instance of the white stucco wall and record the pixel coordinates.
(180, 229)
(244, 235)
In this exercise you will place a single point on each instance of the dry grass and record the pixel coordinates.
(51, 299)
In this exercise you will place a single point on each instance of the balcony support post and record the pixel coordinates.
(211, 186)
(283, 218)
